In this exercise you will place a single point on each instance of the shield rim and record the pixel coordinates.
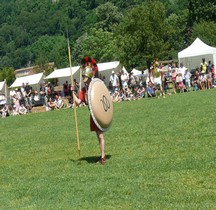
(90, 105)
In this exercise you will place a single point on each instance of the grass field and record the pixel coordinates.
(161, 155)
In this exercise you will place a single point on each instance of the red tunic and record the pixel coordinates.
(83, 98)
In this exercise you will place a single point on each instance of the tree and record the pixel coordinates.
(8, 74)
(98, 44)
(49, 49)
(108, 16)
(143, 34)
(205, 31)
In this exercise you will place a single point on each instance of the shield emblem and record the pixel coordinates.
(100, 104)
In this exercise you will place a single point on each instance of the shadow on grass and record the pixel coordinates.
(91, 159)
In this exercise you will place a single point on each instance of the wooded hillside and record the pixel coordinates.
(132, 31)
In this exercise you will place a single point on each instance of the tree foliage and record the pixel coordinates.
(143, 34)
(133, 31)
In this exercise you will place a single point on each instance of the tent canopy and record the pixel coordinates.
(2, 86)
(62, 72)
(192, 56)
(136, 72)
(34, 79)
(105, 70)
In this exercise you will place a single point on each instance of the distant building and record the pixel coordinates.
(24, 72)
(31, 70)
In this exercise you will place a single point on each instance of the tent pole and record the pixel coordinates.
(5, 89)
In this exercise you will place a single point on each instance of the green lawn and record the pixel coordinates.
(161, 155)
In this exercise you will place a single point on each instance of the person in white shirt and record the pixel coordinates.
(3, 100)
(124, 79)
(12, 93)
(58, 101)
(187, 80)
(114, 81)
(182, 70)
(36, 96)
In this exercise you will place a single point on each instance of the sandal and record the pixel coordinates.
(102, 160)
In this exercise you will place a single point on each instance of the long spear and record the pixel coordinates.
(72, 83)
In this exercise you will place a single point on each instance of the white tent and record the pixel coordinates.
(105, 69)
(34, 80)
(124, 70)
(4, 88)
(192, 56)
(136, 72)
(63, 75)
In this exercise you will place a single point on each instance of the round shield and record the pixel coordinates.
(100, 104)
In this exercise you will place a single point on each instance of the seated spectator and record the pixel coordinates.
(203, 80)
(36, 96)
(4, 111)
(22, 110)
(128, 94)
(196, 83)
(116, 97)
(141, 92)
(180, 83)
(58, 101)
(51, 105)
(214, 81)
(209, 80)
(150, 90)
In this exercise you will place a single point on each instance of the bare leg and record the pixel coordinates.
(101, 143)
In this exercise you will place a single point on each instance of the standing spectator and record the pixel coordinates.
(28, 90)
(66, 89)
(174, 75)
(124, 79)
(76, 86)
(42, 90)
(160, 81)
(114, 81)
(132, 81)
(22, 89)
(12, 93)
(203, 66)
(19, 94)
(16, 105)
(209, 68)
(187, 80)
(182, 70)
(179, 80)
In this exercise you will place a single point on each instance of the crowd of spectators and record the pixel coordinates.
(22, 100)
(161, 81)
(123, 86)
